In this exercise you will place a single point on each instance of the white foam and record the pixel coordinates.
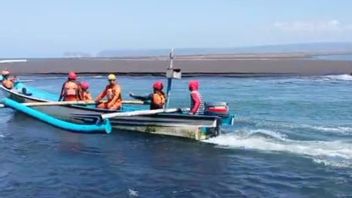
(132, 193)
(263, 133)
(337, 153)
(337, 163)
(339, 77)
(344, 130)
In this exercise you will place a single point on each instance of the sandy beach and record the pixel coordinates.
(227, 65)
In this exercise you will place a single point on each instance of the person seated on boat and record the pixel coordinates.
(71, 89)
(113, 94)
(196, 97)
(86, 96)
(157, 98)
(7, 81)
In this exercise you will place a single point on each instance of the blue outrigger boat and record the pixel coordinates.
(87, 118)
(132, 117)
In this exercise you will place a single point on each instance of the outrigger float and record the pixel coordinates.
(134, 116)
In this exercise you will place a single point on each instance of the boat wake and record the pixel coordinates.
(335, 130)
(332, 153)
(328, 129)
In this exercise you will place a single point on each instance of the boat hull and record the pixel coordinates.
(59, 123)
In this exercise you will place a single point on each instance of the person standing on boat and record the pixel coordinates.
(157, 98)
(7, 81)
(113, 94)
(196, 97)
(71, 89)
(86, 96)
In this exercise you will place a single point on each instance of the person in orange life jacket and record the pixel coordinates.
(7, 81)
(86, 96)
(157, 98)
(71, 89)
(196, 98)
(113, 94)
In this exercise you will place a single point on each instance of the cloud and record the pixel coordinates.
(327, 26)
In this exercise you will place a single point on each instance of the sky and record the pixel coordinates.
(49, 28)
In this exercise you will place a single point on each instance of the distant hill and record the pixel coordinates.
(287, 48)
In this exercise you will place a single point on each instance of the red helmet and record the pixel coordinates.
(84, 85)
(72, 75)
(158, 85)
(193, 85)
(5, 72)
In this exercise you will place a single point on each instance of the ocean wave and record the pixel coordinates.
(335, 130)
(332, 153)
(342, 130)
(338, 77)
(261, 133)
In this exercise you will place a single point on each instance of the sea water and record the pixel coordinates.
(292, 138)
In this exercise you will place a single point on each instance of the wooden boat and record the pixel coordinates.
(178, 124)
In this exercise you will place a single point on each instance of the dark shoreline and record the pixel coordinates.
(205, 65)
(185, 75)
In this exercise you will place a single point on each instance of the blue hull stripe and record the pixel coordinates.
(92, 128)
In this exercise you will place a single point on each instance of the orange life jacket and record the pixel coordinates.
(7, 83)
(71, 89)
(86, 96)
(113, 95)
(158, 100)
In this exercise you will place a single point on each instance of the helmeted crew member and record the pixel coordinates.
(113, 94)
(196, 97)
(7, 81)
(71, 90)
(86, 96)
(157, 98)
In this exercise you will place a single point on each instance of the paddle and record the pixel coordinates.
(139, 112)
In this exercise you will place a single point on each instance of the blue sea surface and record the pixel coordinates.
(292, 138)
